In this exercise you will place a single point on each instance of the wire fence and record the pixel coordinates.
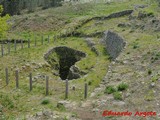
(9, 46)
(17, 77)
(12, 45)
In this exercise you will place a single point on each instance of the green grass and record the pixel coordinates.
(155, 78)
(95, 66)
(110, 89)
(117, 95)
(33, 56)
(6, 101)
(45, 102)
(122, 86)
(149, 96)
(69, 16)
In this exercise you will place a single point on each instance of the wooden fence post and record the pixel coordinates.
(73, 32)
(28, 43)
(42, 40)
(30, 81)
(66, 92)
(48, 39)
(69, 32)
(17, 78)
(47, 85)
(85, 90)
(15, 45)
(7, 80)
(65, 34)
(54, 39)
(35, 41)
(9, 48)
(21, 44)
(2, 49)
(60, 36)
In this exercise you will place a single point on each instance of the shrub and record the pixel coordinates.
(154, 79)
(149, 72)
(150, 14)
(110, 89)
(117, 96)
(90, 83)
(65, 118)
(135, 46)
(45, 101)
(4, 26)
(122, 86)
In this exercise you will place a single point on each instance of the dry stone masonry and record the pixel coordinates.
(113, 43)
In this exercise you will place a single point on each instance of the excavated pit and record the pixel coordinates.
(63, 60)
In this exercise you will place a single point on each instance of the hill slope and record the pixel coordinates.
(133, 77)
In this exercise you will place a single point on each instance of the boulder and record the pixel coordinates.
(74, 73)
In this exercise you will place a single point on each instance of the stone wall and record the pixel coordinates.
(114, 44)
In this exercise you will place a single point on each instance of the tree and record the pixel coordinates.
(3, 23)
(16, 7)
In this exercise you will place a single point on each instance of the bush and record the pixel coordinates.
(149, 72)
(122, 86)
(45, 101)
(90, 83)
(135, 46)
(4, 26)
(110, 89)
(117, 96)
(150, 14)
(154, 78)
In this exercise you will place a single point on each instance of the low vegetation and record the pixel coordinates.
(129, 81)
(122, 86)
(110, 89)
(116, 91)
(45, 101)
(117, 95)
(4, 26)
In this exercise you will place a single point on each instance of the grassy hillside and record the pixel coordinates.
(137, 65)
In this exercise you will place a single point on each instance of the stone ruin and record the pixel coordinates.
(114, 44)
(63, 59)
